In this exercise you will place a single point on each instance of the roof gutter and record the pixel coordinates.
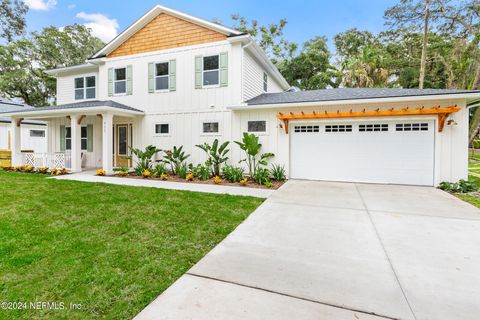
(310, 104)
(69, 111)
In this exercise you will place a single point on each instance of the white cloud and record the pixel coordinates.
(102, 27)
(41, 5)
(72, 6)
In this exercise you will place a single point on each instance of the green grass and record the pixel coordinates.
(110, 248)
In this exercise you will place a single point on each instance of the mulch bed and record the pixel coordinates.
(250, 184)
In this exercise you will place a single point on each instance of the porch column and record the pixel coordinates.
(107, 143)
(76, 151)
(16, 142)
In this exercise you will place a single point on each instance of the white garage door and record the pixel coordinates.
(400, 152)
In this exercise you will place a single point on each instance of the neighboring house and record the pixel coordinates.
(34, 133)
(173, 79)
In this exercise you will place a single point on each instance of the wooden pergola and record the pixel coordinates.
(442, 113)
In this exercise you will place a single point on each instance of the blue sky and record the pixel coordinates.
(306, 19)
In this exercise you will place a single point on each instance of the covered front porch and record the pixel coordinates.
(81, 136)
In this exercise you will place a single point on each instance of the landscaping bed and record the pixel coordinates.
(249, 184)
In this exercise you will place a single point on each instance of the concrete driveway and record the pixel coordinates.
(325, 250)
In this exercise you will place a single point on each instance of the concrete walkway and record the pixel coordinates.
(89, 176)
(323, 250)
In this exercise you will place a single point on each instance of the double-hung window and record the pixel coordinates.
(83, 138)
(211, 70)
(120, 80)
(85, 88)
(161, 76)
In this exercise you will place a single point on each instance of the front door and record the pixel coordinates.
(122, 145)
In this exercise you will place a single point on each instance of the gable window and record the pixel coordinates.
(120, 80)
(85, 88)
(37, 133)
(83, 138)
(265, 82)
(211, 70)
(210, 127)
(161, 76)
(257, 126)
(162, 128)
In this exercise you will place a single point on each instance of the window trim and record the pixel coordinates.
(259, 133)
(115, 81)
(155, 77)
(86, 138)
(84, 89)
(219, 133)
(265, 81)
(162, 134)
(38, 130)
(203, 72)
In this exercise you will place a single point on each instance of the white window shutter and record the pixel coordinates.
(172, 75)
(129, 79)
(223, 69)
(151, 77)
(198, 72)
(110, 82)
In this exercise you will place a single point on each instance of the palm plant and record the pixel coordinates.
(144, 157)
(251, 146)
(175, 158)
(216, 155)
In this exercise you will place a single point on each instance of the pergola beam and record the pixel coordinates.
(442, 114)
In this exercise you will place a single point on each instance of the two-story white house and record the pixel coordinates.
(174, 79)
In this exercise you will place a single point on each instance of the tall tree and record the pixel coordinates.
(423, 59)
(12, 18)
(23, 62)
(310, 68)
(270, 37)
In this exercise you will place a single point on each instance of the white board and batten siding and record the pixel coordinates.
(66, 87)
(424, 158)
(28, 142)
(253, 78)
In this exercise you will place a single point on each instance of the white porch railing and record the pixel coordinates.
(50, 160)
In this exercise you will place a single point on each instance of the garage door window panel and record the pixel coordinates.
(373, 127)
(412, 127)
(307, 129)
(338, 128)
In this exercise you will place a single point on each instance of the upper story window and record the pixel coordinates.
(211, 70)
(265, 82)
(120, 80)
(161, 76)
(85, 88)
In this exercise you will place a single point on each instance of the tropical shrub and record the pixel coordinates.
(182, 171)
(144, 158)
(251, 146)
(461, 186)
(262, 176)
(146, 173)
(121, 171)
(202, 172)
(164, 176)
(217, 180)
(233, 173)
(159, 169)
(42, 170)
(100, 172)
(278, 173)
(217, 155)
(244, 181)
(175, 158)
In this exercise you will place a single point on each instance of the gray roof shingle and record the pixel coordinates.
(12, 106)
(83, 104)
(346, 94)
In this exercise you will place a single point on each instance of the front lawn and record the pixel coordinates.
(107, 249)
